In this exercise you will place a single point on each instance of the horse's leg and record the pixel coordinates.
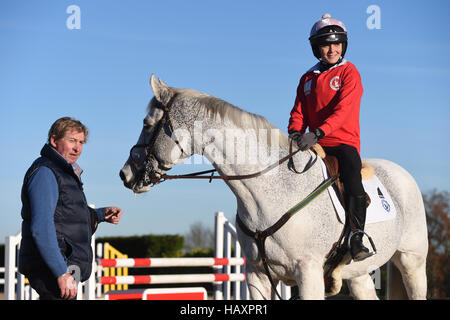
(362, 288)
(310, 281)
(413, 269)
(258, 284)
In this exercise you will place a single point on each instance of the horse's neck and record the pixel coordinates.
(234, 151)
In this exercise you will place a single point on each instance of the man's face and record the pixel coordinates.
(70, 146)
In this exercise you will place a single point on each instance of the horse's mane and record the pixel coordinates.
(216, 107)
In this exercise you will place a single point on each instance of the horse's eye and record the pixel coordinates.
(146, 125)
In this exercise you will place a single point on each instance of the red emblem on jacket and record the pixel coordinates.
(335, 83)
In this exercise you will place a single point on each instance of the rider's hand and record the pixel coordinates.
(295, 135)
(307, 140)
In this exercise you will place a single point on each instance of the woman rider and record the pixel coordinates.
(328, 102)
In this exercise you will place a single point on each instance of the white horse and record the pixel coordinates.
(183, 122)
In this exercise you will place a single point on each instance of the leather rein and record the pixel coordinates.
(200, 174)
(148, 173)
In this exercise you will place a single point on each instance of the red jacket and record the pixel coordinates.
(330, 101)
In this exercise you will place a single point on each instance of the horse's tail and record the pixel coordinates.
(395, 288)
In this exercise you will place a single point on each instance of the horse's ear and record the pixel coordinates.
(162, 91)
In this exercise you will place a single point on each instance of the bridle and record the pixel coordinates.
(148, 174)
(148, 177)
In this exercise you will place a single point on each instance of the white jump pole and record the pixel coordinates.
(11, 244)
(218, 250)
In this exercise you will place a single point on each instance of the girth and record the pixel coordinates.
(260, 239)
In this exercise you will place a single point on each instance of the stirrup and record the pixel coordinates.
(359, 231)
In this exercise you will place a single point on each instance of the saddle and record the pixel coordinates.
(331, 162)
(339, 254)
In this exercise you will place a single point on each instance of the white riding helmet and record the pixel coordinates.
(325, 31)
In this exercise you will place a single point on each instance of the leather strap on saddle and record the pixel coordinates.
(332, 164)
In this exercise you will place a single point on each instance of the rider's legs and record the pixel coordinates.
(355, 196)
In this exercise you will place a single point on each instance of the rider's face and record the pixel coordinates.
(331, 52)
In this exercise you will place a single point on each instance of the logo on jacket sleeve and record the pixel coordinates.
(307, 87)
(335, 83)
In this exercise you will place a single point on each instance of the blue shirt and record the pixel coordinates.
(43, 195)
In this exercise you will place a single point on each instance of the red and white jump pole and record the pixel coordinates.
(170, 262)
(172, 278)
(185, 293)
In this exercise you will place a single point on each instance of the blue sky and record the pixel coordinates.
(249, 53)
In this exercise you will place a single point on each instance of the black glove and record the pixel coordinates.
(295, 135)
(307, 140)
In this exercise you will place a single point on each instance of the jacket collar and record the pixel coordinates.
(50, 153)
(316, 67)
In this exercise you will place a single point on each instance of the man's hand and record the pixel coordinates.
(67, 286)
(112, 214)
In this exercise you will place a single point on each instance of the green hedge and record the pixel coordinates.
(147, 245)
(154, 246)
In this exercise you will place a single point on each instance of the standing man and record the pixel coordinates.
(57, 223)
(328, 101)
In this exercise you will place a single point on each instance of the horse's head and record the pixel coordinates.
(158, 148)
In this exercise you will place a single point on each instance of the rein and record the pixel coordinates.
(146, 175)
(199, 175)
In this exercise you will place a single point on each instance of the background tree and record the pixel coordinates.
(198, 237)
(438, 260)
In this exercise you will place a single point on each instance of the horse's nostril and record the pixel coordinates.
(122, 175)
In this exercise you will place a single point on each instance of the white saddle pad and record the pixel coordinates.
(381, 207)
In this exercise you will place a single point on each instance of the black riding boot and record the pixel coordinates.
(357, 214)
